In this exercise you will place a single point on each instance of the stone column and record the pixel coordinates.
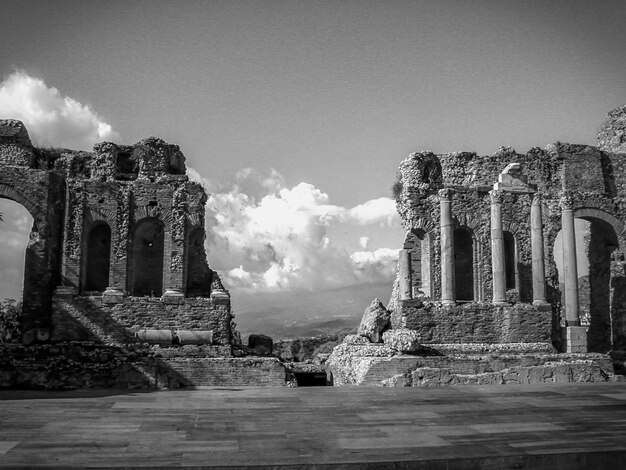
(404, 268)
(575, 335)
(447, 248)
(497, 250)
(536, 241)
(570, 268)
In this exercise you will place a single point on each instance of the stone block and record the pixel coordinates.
(260, 345)
(173, 296)
(402, 340)
(376, 319)
(575, 339)
(356, 339)
(112, 296)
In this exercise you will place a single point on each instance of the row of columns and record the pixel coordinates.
(497, 249)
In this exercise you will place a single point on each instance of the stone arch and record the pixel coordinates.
(418, 241)
(9, 192)
(594, 213)
(20, 185)
(602, 286)
(146, 258)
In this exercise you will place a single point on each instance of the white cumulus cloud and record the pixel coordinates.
(51, 118)
(263, 235)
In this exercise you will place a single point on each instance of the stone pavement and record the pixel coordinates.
(527, 426)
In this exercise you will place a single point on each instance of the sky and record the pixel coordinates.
(296, 114)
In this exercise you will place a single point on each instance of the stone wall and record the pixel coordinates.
(476, 322)
(137, 202)
(64, 366)
(589, 180)
(379, 365)
(89, 318)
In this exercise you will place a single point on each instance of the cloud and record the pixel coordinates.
(263, 235)
(51, 118)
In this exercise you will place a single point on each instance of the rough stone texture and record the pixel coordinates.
(476, 322)
(112, 223)
(375, 320)
(382, 366)
(612, 135)
(117, 246)
(402, 340)
(589, 180)
(88, 318)
(64, 366)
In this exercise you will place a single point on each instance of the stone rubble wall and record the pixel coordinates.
(476, 323)
(73, 365)
(89, 319)
(379, 365)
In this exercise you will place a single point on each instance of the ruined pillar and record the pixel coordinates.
(575, 335)
(536, 241)
(404, 267)
(570, 268)
(498, 266)
(447, 248)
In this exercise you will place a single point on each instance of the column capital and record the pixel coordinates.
(445, 193)
(497, 196)
(566, 200)
(537, 199)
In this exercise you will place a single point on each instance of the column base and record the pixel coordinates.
(575, 339)
(112, 295)
(540, 303)
(219, 296)
(500, 303)
(173, 295)
(64, 292)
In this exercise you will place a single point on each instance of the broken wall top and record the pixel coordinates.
(150, 159)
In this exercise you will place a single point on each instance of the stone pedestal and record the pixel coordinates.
(112, 296)
(447, 248)
(173, 295)
(220, 296)
(575, 339)
(497, 250)
(66, 293)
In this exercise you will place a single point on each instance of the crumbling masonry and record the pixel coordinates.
(116, 258)
(478, 264)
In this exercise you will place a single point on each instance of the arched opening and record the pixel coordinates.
(417, 241)
(15, 228)
(510, 260)
(197, 275)
(464, 264)
(146, 270)
(599, 293)
(98, 252)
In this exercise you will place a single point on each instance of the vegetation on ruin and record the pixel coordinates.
(10, 313)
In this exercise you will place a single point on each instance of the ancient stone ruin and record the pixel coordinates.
(116, 271)
(118, 291)
(477, 285)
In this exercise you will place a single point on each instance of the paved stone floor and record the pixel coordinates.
(531, 426)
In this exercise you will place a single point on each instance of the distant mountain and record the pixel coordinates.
(305, 313)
